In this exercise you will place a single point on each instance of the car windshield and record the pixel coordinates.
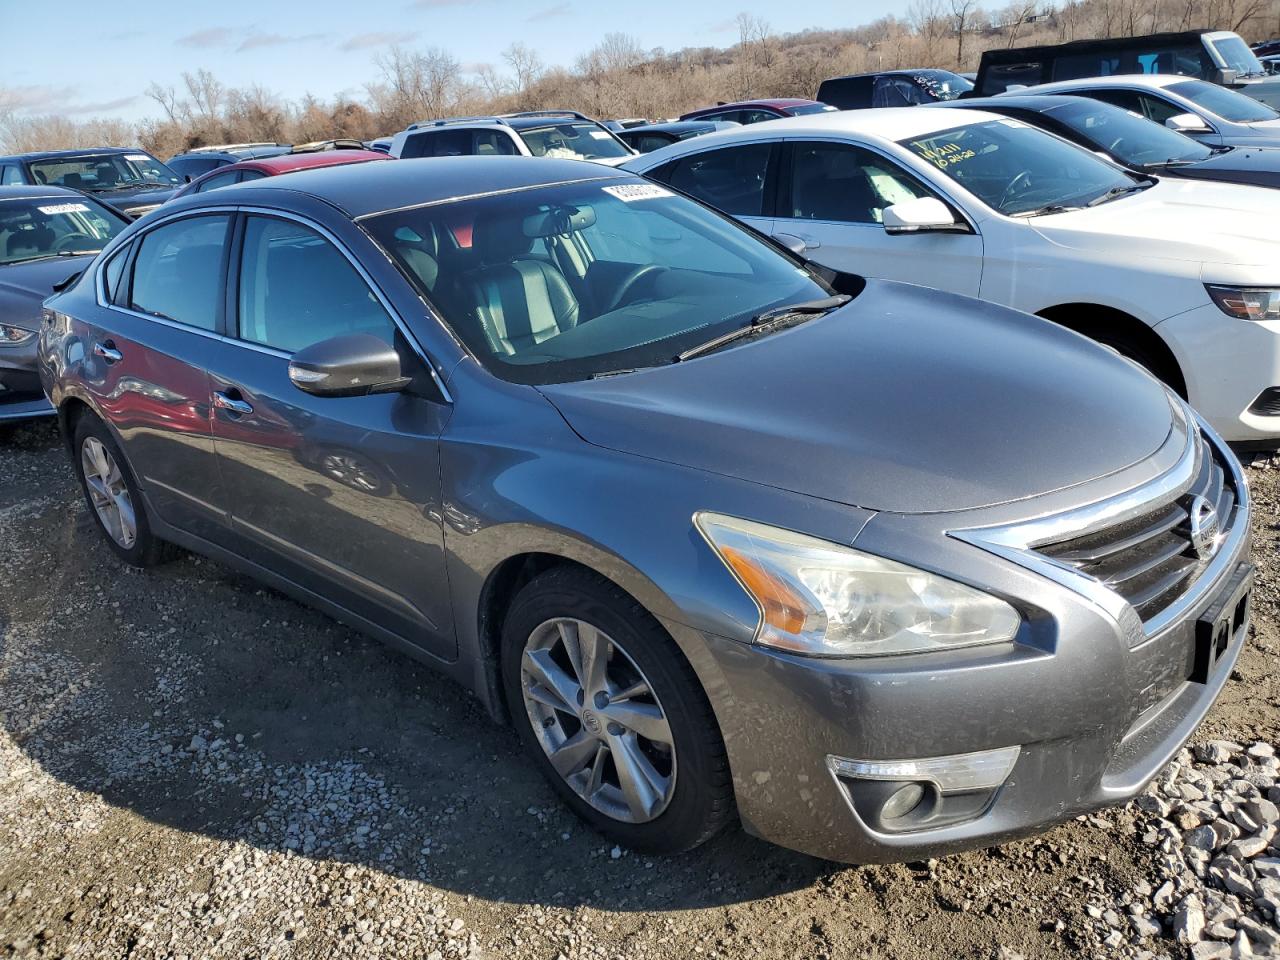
(1019, 170)
(104, 172)
(573, 141)
(806, 108)
(942, 84)
(1227, 104)
(37, 228)
(1237, 56)
(1132, 139)
(579, 280)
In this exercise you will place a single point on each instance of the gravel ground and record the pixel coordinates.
(194, 766)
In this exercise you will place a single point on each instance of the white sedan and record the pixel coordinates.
(1180, 276)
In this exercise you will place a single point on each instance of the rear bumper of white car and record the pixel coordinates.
(1228, 364)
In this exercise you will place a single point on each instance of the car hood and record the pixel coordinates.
(1259, 166)
(25, 286)
(129, 202)
(1175, 220)
(907, 400)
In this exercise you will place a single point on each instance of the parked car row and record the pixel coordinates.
(902, 569)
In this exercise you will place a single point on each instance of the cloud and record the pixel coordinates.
(256, 40)
(549, 13)
(366, 41)
(41, 100)
(209, 37)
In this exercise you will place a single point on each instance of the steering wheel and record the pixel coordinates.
(70, 240)
(631, 280)
(1018, 184)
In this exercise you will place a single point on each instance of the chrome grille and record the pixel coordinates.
(1150, 560)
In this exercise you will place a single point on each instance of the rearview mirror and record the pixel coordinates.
(1187, 123)
(920, 215)
(353, 365)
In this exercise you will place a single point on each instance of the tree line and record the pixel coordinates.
(617, 78)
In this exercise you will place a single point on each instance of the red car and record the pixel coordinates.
(275, 166)
(754, 111)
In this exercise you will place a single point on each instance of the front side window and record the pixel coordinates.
(1127, 136)
(756, 116)
(1019, 170)
(731, 179)
(195, 166)
(1227, 104)
(662, 274)
(941, 85)
(297, 289)
(177, 274)
(647, 143)
(104, 172)
(494, 143)
(40, 228)
(847, 184)
(573, 140)
(9, 175)
(896, 91)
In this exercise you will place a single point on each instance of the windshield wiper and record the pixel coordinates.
(1116, 192)
(1043, 211)
(767, 322)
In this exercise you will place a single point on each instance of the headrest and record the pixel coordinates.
(499, 239)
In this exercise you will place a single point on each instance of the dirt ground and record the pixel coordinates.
(194, 766)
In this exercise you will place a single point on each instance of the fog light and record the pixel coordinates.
(902, 802)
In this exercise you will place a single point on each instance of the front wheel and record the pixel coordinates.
(613, 715)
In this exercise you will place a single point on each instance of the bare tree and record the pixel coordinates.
(206, 93)
(1015, 16)
(167, 99)
(525, 64)
(961, 14)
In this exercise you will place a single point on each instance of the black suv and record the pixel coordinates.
(892, 88)
(126, 178)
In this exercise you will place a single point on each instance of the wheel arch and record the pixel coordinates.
(1115, 327)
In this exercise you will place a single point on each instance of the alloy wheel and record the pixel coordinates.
(599, 720)
(108, 492)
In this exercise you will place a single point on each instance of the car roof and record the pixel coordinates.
(82, 152)
(362, 189)
(1151, 81)
(673, 126)
(28, 192)
(1038, 104)
(291, 162)
(779, 103)
(903, 72)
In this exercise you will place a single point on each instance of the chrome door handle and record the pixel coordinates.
(225, 402)
(108, 352)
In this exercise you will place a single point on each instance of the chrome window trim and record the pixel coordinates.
(485, 193)
(1016, 542)
(230, 209)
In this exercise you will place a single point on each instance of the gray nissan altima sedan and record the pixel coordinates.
(881, 571)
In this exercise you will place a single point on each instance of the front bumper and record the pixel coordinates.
(21, 395)
(1227, 363)
(1094, 718)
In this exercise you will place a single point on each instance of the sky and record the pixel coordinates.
(88, 59)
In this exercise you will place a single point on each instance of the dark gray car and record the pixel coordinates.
(887, 571)
(47, 234)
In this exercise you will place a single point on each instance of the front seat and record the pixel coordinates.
(519, 301)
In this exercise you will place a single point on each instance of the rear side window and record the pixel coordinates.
(219, 180)
(195, 166)
(896, 91)
(732, 179)
(1000, 78)
(756, 116)
(442, 143)
(9, 175)
(297, 289)
(847, 93)
(177, 274)
(494, 143)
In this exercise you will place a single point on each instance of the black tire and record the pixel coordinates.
(147, 549)
(701, 801)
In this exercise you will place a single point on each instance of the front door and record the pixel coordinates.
(833, 197)
(339, 494)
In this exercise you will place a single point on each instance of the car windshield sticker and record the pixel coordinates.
(1011, 123)
(601, 134)
(64, 208)
(138, 157)
(945, 155)
(628, 192)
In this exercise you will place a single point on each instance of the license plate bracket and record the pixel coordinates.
(1218, 626)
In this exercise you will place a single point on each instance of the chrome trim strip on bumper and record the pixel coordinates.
(1016, 542)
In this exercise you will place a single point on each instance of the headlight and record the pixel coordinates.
(822, 599)
(11, 336)
(1247, 303)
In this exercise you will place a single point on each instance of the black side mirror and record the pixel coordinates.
(353, 365)
(187, 178)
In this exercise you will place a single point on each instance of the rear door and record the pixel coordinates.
(145, 363)
(341, 495)
(832, 195)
